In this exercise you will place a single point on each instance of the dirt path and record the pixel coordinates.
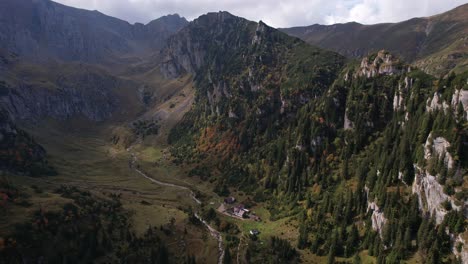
(214, 233)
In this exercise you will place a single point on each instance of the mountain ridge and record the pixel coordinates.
(44, 29)
(436, 44)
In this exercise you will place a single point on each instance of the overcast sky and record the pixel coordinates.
(276, 13)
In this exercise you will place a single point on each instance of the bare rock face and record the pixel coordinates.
(461, 97)
(398, 100)
(438, 147)
(348, 124)
(186, 51)
(436, 103)
(59, 91)
(463, 254)
(383, 64)
(27, 102)
(431, 195)
(429, 191)
(378, 218)
(42, 29)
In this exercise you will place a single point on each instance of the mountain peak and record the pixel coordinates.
(220, 16)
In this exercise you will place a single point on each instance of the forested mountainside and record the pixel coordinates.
(436, 44)
(368, 156)
(19, 152)
(142, 131)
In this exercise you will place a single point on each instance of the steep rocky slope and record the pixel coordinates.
(437, 44)
(42, 29)
(31, 91)
(18, 150)
(247, 74)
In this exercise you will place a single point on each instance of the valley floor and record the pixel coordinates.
(85, 157)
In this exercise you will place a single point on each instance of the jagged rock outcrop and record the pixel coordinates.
(463, 253)
(398, 99)
(435, 103)
(461, 97)
(382, 64)
(187, 51)
(429, 191)
(431, 195)
(438, 147)
(234, 60)
(378, 219)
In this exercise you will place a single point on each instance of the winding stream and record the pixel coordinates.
(214, 233)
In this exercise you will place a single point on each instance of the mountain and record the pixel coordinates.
(437, 44)
(42, 29)
(62, 62)
(149, 127)
(37, 91)
(247, 75)
(377, 146)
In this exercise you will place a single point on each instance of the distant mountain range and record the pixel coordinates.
(42, 29)
(436, 44)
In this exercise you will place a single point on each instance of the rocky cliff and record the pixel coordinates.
(236, 62)
(33, 92)
(381, 64)
(42, 29)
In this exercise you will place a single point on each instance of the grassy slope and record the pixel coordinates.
(84, 157)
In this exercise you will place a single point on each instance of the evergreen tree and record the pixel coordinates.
(227, 256)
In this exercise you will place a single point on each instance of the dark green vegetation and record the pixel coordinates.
(88, 229)
(19, 152)
(276, 250)
(302, 160)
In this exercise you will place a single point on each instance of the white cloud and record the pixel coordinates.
(377, 11)
(276, 13)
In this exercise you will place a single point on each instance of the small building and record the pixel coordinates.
(230, 200)
(239, 211)
(254, 232)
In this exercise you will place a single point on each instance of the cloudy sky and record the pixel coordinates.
(277, 13)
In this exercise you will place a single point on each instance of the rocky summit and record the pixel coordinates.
(224, 140)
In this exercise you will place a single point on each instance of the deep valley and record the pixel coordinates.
(223, 140)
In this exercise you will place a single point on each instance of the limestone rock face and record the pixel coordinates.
(436, 104)
(438, 147)
(378, 218)
(431, 195)
(383, 64)
(461, 97)
(348, 124)
(463, 254)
